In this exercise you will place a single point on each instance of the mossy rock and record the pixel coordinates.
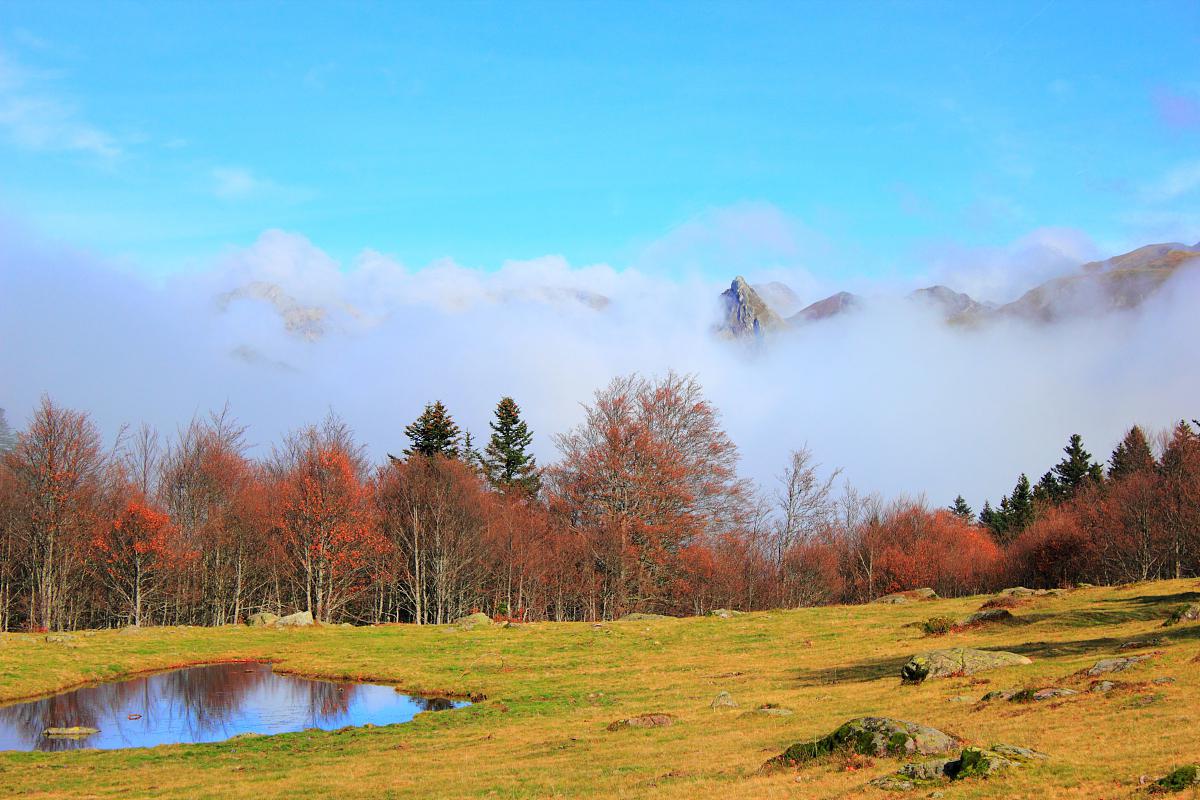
(724, 613)
(989, 616)
(972, 762)
(641, 616)
(262, 618)
(1178, 779)
(1185, 614)
(876, 737)
(957, 661)
(1106, 665)
(472, 621)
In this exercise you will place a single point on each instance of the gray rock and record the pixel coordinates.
(639, 616)
(1116, 664)
(724, 613)
(262, 618)
(1053, 692)
(957, 661)
(770, 711)
(299, 619)
(60, 638)
(988, 616)
(722, 701)
(1187, 614)
(1102, 687)
(473, 621)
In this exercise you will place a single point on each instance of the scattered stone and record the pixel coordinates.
(1186, 614)
(1016, 591)
(1179, 779)
(297, 620)
(1053, 692)
(1164, 681)
(1102, 687)
(957, 661)
(722, 701)
(60, 638)
(74, 732)
(1117, 664)
(262, 619)
(724, 613)
(871, 736)
(997, 695)
(911, 596)
(643, 721)
(988, 616)
(644, 617)
(472, 621)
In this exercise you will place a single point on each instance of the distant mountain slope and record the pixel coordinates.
(1098, 287)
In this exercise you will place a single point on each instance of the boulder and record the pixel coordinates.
(722, 701)
(1102, 687)
(643, 721)
(1121, 664)
(1016, 591)
(299, 619)
(472, 621)
(987, 616)
(74, 732)
(871, 736)
(1187, 614)
(262, 618)
(911, 596)
(724, 613)
(1045, 693)
(957, 661)
(1179, 779)
(60, 638)
(640, 616)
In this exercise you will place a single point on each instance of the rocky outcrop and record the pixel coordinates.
(948, 302)
(643, 721)
(876, 737)
(262, 618)
(972, 762)
(987, 617)
(957, 661)
(724, 613)
(298, 620)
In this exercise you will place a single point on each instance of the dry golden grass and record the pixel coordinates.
(552, 689)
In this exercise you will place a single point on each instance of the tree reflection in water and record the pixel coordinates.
(204, 704)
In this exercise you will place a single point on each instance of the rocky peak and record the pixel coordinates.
(746, 314)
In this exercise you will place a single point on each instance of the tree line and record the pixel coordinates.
(643, 510)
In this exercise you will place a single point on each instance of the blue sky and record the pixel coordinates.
(162, 134)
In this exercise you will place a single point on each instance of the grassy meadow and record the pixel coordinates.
(551, 689)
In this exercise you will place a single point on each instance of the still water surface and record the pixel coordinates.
(204, 704)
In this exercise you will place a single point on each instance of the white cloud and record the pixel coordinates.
(36, 119)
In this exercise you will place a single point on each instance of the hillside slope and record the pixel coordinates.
(552, 689)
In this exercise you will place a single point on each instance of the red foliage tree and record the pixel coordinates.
(130, 554)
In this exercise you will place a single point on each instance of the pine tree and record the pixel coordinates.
(961, 509)
(1048, 489)
(434, 433)
(470, 455)
(1074, 471)
(1131, 456)
(508, 463)
(1016, 512)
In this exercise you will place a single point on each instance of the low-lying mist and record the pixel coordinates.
(900, 400)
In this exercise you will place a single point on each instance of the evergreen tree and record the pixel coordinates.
(508, 463)
(1131, 456)
(961, 509)
(1015, 514)
(1047, 489)
(434, 433)
(1074, 471)
(989, 518)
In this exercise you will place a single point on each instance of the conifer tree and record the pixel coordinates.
(434, 433)
(989, 518)
(1131, 456)
(961, 509)
(1019, 514)
(469, 454)
(1075, 470)
(508, 463)
(8, 439)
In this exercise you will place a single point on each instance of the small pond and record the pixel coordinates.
(203, 704)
